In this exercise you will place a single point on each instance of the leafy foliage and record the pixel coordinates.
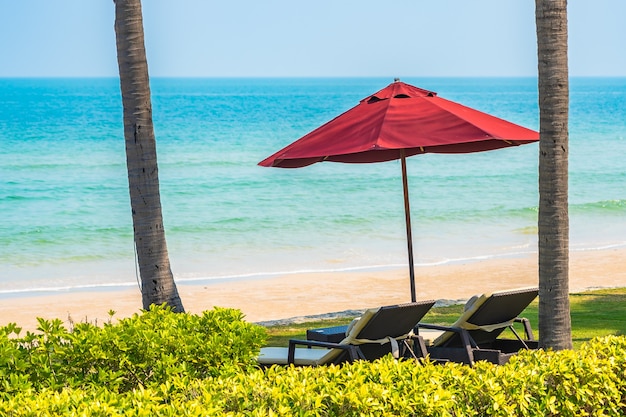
(162, 363)
(143, 350)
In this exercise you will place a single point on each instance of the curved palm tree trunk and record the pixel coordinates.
(157, 280)
(554, 311)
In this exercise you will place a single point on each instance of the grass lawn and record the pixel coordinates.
(594, 313)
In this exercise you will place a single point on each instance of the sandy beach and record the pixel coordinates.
(298, 296)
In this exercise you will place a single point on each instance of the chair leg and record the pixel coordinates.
(354, 353)
(465, 338)
(413, 347)
(419, 347)
(528, 330)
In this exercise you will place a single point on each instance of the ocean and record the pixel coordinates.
(65, 209)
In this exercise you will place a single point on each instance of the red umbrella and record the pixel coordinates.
(399, 121)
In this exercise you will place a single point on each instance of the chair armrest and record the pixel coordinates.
(330, 345)
(468, 344)
(466, 339)
(352, 350)
(436, 327)
(527, 328)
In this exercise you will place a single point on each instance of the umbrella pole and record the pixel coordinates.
(407, 215)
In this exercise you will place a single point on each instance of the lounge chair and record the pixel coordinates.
(475, 335)
(377, 332)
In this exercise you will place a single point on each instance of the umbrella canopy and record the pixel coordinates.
(401, 117)
(399, 121)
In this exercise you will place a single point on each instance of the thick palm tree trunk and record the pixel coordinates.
(157, 280)
(554, 313)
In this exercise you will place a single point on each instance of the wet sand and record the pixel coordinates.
(318, 294)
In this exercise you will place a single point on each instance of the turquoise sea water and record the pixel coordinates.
(64, 196)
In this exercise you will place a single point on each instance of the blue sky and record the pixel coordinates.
(210, 38)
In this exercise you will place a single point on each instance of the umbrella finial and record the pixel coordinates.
(396, 79)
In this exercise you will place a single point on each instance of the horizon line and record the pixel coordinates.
(235, 77)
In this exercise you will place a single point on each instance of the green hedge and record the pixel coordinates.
(207, 370)
(143, 350)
